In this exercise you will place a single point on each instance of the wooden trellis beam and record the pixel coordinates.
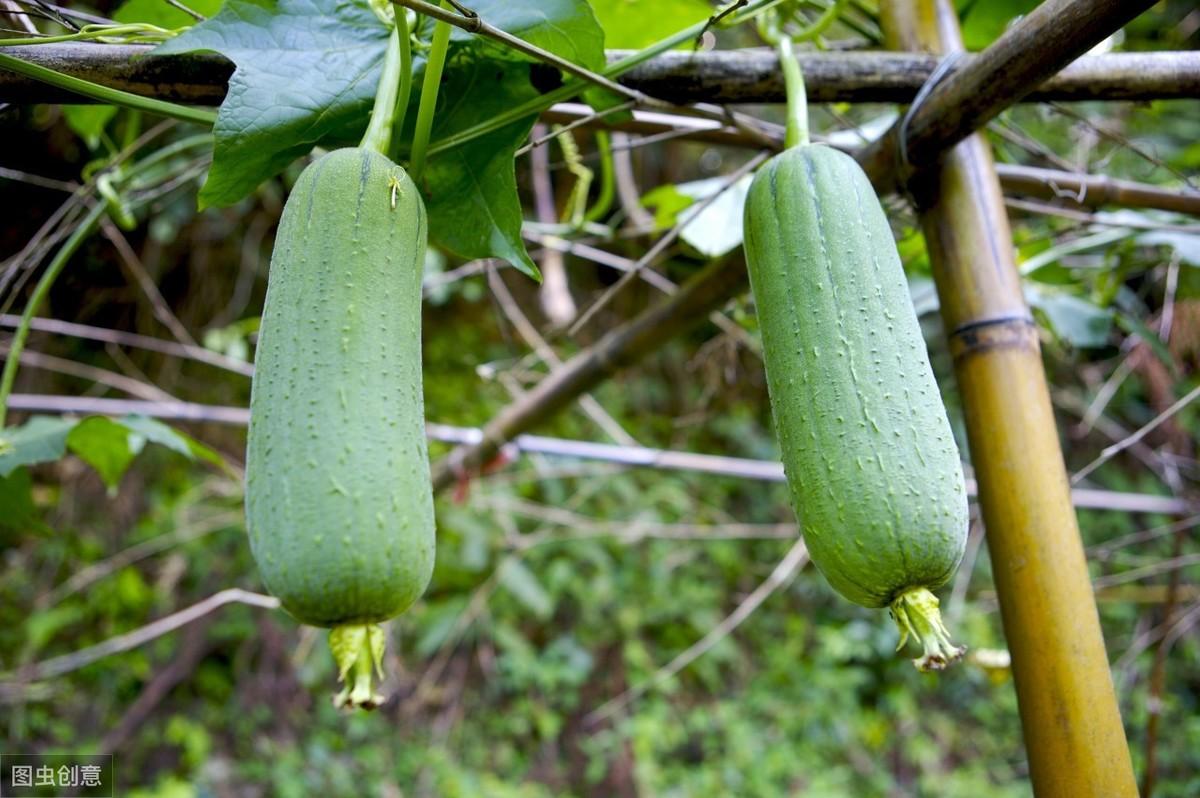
(731, 76)
(1069, 715)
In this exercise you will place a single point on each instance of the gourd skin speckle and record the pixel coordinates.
(338, 497)
(875, 475)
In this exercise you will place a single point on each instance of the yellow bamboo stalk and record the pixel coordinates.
(1072, 726)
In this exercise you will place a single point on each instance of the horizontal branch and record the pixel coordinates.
(1094, 191)
(632, 456)
(1075, 189)
(723, 76)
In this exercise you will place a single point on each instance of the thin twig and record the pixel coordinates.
(122, 338)
(111, 379)
(1154, 569)
(58, 666)
(1112, 451)
(162, 311)
(1046, 209)
(665, 241)
(555, 293)
(139, 551)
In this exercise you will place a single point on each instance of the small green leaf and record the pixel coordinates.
(668, 202)
(41, 439)
(42, 626)
(103, 444)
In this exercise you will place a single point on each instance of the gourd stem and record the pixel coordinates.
(379, 131)
(797, 98)
(429, 93)
(405, 91)
(17, 345)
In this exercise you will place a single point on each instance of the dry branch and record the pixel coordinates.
(734, 76)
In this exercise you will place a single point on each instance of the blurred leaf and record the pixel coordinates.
(521, 582)
(155, 431)
(1135, 326)
(1050, 256)
(17, 510)
(667, 201)
(88, 121)
(39, 440)
(438, 621)
(633, 24)
(1074, 320)
(984, 20)
(1186, 245)
(42, 625)
(105, 445)
(923, 292)
(716, 230)
(163, 14)
(863, 133)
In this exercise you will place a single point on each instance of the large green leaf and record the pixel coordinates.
(567, 28)
(633, 24)
(471, 191)
(306, 72)
(306, 76)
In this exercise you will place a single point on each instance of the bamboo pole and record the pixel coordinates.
(749, 75)
(1072, 726)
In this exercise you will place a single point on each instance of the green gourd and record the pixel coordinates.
(874, 472)
(338, 493)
